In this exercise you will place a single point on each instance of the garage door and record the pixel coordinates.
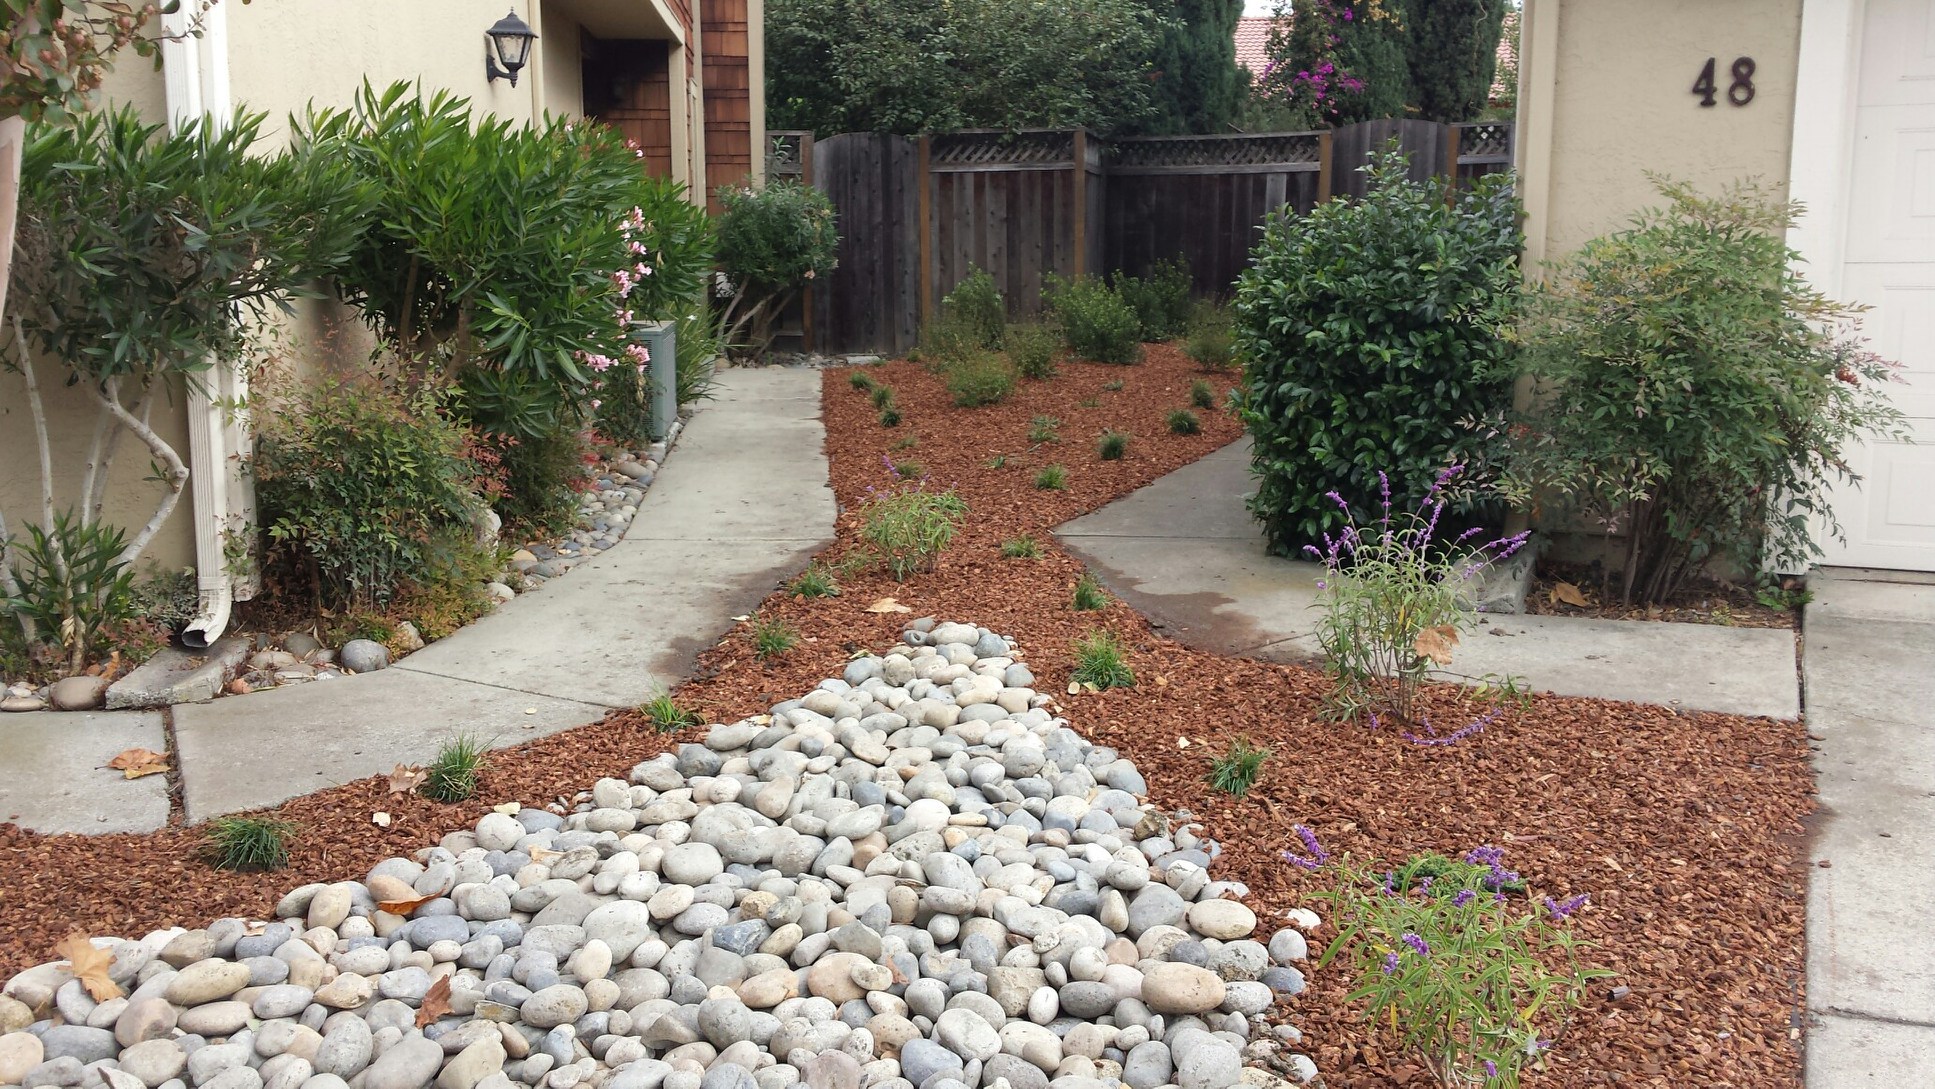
(1890, 265)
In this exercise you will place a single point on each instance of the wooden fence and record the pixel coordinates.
(917, 214)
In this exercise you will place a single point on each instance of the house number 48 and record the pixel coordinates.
(1739, 92)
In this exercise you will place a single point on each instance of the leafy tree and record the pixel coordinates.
(1451, 49)
(912, 66)
(1334, 62)
(1199, 87)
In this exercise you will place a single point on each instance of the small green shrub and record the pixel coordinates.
(815, 581)
(882, 396)
(982, 378)
(1202, 395)
(861, 381)
(976, 308)
(1032, 347)
(1096, 323)
(772, 637)
(909, 525)
(1161, 300)
(1367, 330)
(1089, 595)
(1111, 445)
(890, 417)
(1212, 337)
(1100, 661)
(1051, 478)
(1472, 979)
(74, 585)
(452, 776)
(666, 714)
(247, 844)
(1023, 547)
(1044, 429)
(1184, 422)
(1235, 772)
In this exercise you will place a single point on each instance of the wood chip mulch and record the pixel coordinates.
(1704, 601)
(1686, 829)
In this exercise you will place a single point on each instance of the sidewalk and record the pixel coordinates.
(1185, 553)
(742, 503)
(1870, 949)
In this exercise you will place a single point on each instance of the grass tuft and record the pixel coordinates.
(1202, 394)
(1184, 422)
(861, 380)
(452, 776)
(890, 417)
(882, 396)
(1235, 772)
(667, 714)
(1023, 547)
(1044, 429)
(247, 844)
(1051, 478)
(772, 638)
(1111, 445)
(1089, 595)
(815, 581)
(1101, 661)
(996, 461)
(1113, 387)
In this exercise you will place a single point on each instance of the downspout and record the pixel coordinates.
(196, 72)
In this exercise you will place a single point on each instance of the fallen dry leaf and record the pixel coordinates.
(1436, 643)
(135, 763)
(379, 819)
(544, 854)
(239, 687)
(509, 809)
(436, 1002)
(404, 907)
(1569, 594)
(407, 778)
(888, 605)
(89, 964)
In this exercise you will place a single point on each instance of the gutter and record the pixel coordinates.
(195, 70)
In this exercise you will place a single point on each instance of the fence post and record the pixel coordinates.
(1081, 202)
(1323, 166)
(1451, 163)
(924, 203)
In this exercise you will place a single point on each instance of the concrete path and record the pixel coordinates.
(1870, 948)
(1184, 552)
(742, 503)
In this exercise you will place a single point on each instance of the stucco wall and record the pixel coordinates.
(1605, 95)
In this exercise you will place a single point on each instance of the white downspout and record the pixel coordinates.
(196, 74)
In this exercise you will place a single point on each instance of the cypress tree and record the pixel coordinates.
(1198, 88)
(1451, 48)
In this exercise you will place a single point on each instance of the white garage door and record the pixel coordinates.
(1890, 265)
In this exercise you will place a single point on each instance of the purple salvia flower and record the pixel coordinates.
(1566, 907)
(1310, 843)
(1390, 883)
(1476, 726)
(1464, 897)
(1390, 963)
(1417, 944)
(1425, 884)
(1491, 1069)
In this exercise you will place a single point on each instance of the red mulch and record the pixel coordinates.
(1702, 601)
(1686, 829)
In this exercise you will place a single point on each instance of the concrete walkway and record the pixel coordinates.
(1185, 553)
(741, 503)
(1871, 950)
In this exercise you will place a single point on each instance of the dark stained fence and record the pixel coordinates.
(1205, 199)
(869, 303)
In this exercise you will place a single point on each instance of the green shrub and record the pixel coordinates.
(1032, 347)
(982, 378)
(977, 308)
(1235, 772)
(1023, 547)
(1202, 395)
(1089, 595)
(1366, 328)
(1044, 429)
(772, 242)
(452, 776)
(666, 714)
(1697, 393)
(1211, 337)
(1111, 445)
(368, 486)
(772, 637)
(73, 584)
(909, 525)
(1096, 323)
(995, 461)
(1100, 661)
(1161, 300)
(1184, 422)
(1051, 478)
(247, 844)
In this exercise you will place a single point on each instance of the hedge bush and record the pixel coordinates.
(1367, 330)
(1095, 321)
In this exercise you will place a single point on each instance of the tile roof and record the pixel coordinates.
(1253, 42)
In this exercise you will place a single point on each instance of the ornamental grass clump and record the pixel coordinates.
(1101, 662)
(1394, 598)
(909, 524)
(452, 776)
(667, 714)
(1236, 771)
(247, 844)
(1469, 976)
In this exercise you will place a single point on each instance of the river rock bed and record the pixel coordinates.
(913, 877)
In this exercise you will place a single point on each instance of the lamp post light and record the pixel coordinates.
(510, 45)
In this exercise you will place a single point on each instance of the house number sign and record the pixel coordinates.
(1739, 92)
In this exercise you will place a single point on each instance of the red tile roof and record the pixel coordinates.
(1253, 42)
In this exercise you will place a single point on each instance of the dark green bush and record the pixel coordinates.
(976, 308)
(772, 242)
(365, 487)
(1161, 300)
(1367, 330)
(1212, 337)
(1095, 322)
(983, 378)
(1032, 347)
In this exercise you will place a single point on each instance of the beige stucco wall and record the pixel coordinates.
(1605, 95)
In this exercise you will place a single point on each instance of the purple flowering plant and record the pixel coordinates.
(1395, 596)
(1472, 976)
(909, 522)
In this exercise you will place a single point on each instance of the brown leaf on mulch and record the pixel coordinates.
(1699, 914)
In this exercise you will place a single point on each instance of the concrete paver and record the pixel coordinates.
(52, 779)
(1184, 552)
(1871, 953)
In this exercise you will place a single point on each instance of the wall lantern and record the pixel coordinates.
(510, 39)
